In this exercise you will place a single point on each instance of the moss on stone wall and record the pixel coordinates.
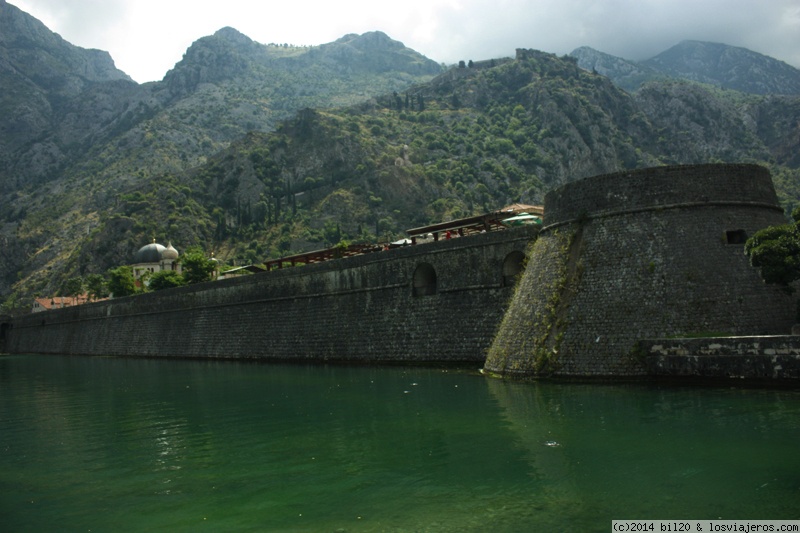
(639, 255)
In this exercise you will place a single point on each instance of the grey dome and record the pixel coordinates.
(150, 253)
(169, 253)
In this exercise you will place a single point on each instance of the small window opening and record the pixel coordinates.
(738, 236)
(424, 283)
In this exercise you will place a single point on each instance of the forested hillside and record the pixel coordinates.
(256, 151)
(78, 135)
(472, 140)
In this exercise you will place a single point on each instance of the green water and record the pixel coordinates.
(103, 444)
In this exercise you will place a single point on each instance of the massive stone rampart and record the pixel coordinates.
(643, 254)
(440, 301)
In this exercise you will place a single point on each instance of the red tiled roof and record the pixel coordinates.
(57, 302)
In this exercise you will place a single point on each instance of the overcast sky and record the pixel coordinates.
(147, 37)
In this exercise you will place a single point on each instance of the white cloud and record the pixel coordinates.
(147, 37)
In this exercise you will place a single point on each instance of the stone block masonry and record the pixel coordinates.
(647, 254)
(651, 253)
(772, 358)
(436, 302)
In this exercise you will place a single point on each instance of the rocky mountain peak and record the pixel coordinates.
(233, 36)
(211, 59)
(730, 67)
(16, 25)
(375, 52)
(722, 65)
(373, 40)
(29, 46)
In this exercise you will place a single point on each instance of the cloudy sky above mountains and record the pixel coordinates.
(147, 37)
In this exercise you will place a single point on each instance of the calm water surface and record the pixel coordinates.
(104, 444)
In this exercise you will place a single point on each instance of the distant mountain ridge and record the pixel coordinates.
(63, 102)
(256, 151)
(626, 74)
(722, 65)
(41, 76)
(44, 56)
(228, 53)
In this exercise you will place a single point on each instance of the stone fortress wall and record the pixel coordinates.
(622, 258)
(436, 302)
(652, 253)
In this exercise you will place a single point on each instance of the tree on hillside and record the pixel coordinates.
(166, 279)
(11, 304)
(776, 251)
(196, 267)
(121, 282)
(72, 287)
(96, 286)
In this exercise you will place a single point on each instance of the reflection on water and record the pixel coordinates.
(642, 451)
(111, 444)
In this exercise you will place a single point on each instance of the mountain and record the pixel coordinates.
(370, 53)
(229, 55)
(34, 52)
(79, 131)
(466, 142)
(729, 67)
(67, 102)
(721, 65)
(628, 75)
(256, 151)
(45, 86)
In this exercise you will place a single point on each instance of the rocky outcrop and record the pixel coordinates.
(626, 74)
(45, 86)
(29, 49)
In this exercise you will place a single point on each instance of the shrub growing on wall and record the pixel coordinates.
(776, 251)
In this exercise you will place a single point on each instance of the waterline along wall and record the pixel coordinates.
(626, 268)
(432, 302)
(651, 253)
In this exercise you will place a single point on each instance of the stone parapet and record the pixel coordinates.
(660, 188)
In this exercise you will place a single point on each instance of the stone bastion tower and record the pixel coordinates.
(651, 253)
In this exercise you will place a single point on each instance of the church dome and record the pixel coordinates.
(150, 253)
(169, 253)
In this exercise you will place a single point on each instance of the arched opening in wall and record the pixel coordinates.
(737, 236)
(513, 265)
(4, 327)
(424, 283)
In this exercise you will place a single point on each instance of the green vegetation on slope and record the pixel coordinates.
(471, 140)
